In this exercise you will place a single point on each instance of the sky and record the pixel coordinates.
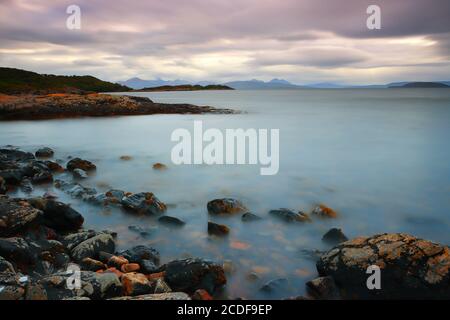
(302, 41)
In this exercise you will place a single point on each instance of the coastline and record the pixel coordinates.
(63, 105)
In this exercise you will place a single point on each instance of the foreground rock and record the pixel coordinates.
(410, 267)
(225, 206)
(15, 215)
(30, 107)
(144, 203)
(188, 275)
(78, 163)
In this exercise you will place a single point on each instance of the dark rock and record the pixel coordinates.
(44, 153)
(289, 215)
(248, 216)
(58, 215)
(142, 231)
(11, 287)
(323, 288)
(54, 166)
(158, 297)
(79, 174)
(139, 253)
(201, 294)
(72, 240)
(274, 285)
(6, 266)
(3, 187)
(77, 163)
(334, 236)
(117, 262)
(410, 268)
(323, 211)
(91, 247)
(148, 266)
(159, 166)
(16, 215)
(17, 250)
(225, 206)
(42, 177)
(15, 155)
(35, 292)
(189, 275)
(171, 221)
(217, 229)
(26, 186)
(144, 203)
(76, 190)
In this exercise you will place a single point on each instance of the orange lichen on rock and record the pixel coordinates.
(239, 245)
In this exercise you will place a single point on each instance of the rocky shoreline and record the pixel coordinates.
(44, 248)
(52, 106)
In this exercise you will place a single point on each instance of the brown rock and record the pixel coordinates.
(323, 211)
(135, 284)
(159, 166)
(201, 294)
(225, 206)
(90, 264)
(117, 261)
(218, 229)
(130, 267)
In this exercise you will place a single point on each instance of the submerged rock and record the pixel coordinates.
(217, 229)
(323, 288)
(410, 267)
(78, 163)
(289, 215)
(225, 206)
(143, 232)
(248, 216)
(159, 166)
(144, 202)
(44, 153)
(26, 185)
(171, 221)
(323, 211)
(334, 236)
(76, 190)
(79, 174)
(189, 275)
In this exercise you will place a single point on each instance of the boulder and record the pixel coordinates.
(91, 247)
(15, 155)
(410, 267)
(171, 221)
(58, 215)
(289, 215)
(140, 253)
(148, 267)
(144, 203)
(79, 174)
(189, 275)
(135, 284)
(90, 264)
(74, 239)
(16, 215)
(334, 236)
(17, 251)
(77, 163)
(225, 206)
(248, 216)
(11, 287)
(218, 229)
(53, 166)
(44, 153)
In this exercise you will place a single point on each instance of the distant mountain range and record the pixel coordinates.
(254, 84)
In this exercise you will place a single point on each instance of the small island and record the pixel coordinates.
(422, 85)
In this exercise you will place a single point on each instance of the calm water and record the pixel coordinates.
(381, 158)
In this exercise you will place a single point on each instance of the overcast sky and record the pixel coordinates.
(303, 41)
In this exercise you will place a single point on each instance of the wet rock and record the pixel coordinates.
(274, 285)
(17, 250)
(10, 287)
(126, 158)
(76, 190)
(58, 215)
(410, 267)
(289, 215)
(42, 177)
(6, 266)
(44, 153)
(50, 195)
(225, 206)
(92, 285)
(15, 155)
(26, 186)
(79, 174)
(140, 253)
(201, 294)
(35, 291)
(160, 296)
(91, 247)
(159, 286)
(334, 236)
(217, 229)
(171, 221)
(130, 267)
(248, 216)
(111, 197)
(90, 264)
(77, 163)
(144, 203)
(142, 231)
(159, 166)
(117, 261)
(72, 240)
(323, 288)
(135, 284)
(189, 275)
(323, 211)
(148, 266)
(54, 166)
(3, 187)
(16, 215)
